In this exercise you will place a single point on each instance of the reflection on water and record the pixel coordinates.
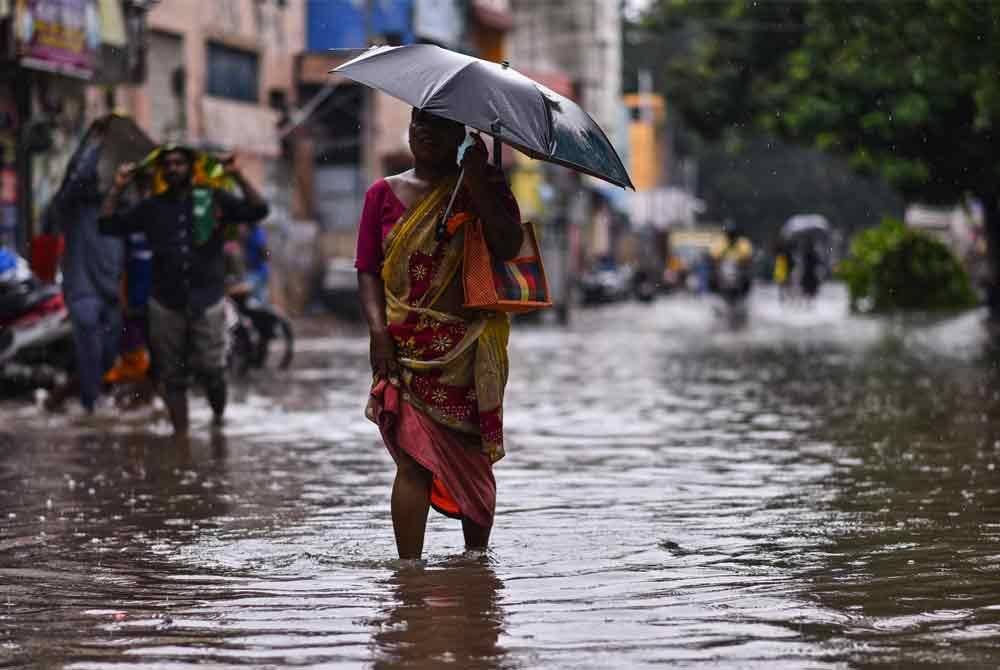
(441, 615)
(89, 522)
(812, 491)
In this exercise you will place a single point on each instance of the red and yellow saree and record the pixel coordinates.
(447, 410)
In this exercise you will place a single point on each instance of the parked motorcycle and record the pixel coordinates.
(606, 282)
(253, 326)
(36, 337)
(643, 286)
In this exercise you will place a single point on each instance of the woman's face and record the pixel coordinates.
(433, 139)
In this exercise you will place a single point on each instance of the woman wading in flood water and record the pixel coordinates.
(439, 370)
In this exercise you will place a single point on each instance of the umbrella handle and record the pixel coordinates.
(442, 226)
(497, 128)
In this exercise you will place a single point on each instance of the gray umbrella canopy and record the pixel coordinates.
(492, 98)
(801, 224)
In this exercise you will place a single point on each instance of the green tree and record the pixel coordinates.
(892, 267)
(905, 90)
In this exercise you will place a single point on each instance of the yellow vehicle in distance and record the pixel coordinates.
(689, 257)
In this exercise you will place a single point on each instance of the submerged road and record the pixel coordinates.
(815, 491)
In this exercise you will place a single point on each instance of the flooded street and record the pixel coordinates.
(816, 491)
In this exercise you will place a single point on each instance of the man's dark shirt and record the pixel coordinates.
(186, 277)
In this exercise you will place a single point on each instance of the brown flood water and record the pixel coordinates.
(814, 492)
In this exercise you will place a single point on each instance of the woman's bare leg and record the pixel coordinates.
(411, 500)
(476, 537)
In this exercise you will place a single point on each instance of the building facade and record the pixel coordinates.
(580, 39)
(349, 135)
(218, 75)
(221, 75)
(574, 47)
(60, 62)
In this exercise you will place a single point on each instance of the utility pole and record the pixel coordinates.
(368, 108)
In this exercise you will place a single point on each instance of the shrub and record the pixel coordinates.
(892, 267)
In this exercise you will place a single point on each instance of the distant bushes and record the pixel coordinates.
(892, 267)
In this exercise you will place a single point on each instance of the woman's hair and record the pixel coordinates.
(439, 120)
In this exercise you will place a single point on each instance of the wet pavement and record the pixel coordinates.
(815, 491)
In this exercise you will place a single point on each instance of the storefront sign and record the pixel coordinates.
(58, 35)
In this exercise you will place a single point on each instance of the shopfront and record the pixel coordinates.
(63, 55)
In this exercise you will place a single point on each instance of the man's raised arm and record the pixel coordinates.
(112, 221)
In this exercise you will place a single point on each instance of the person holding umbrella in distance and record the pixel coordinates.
(183, 226)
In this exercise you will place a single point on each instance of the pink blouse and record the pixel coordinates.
(381, 212)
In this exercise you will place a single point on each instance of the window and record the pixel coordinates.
(232, 73)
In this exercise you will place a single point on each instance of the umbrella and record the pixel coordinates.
(802, 224)
(109, 141)
(118, 140)
(492, 98)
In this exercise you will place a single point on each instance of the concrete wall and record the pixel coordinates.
(581, 38)
(275, 33)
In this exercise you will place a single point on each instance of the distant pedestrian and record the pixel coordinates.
(439, 370)
(783, 270)
(256, 255)
(183, 226)
(133, 364)
(92, 269)
(810, 271)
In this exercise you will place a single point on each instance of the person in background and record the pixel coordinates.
(92, 270)
(810, 271)
(187, 317)
(736, 249)
(256, 256)
(782, 269)
(134, 364)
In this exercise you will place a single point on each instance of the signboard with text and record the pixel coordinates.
(58, 35)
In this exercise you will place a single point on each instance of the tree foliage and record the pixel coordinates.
(892, 267)
(712, 58)
(906, 90)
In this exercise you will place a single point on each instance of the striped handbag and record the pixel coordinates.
(514, 286)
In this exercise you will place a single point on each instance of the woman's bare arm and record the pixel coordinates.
(383, 348)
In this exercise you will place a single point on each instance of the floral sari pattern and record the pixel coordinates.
(453, 360)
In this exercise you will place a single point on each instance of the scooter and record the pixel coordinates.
(36, 337)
